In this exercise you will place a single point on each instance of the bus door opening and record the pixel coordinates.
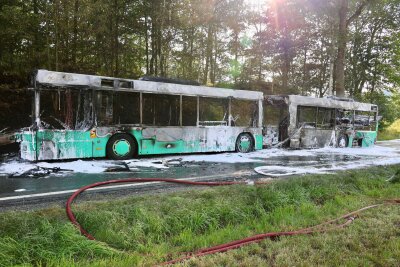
(276, 120)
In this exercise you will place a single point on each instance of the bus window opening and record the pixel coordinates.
(307, 117)
(244, 113)
(189, 111)
(126, 107)
(161, 110)
(213, 111)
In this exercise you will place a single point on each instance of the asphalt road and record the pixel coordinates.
(26, 185)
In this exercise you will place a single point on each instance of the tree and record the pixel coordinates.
(344, 22)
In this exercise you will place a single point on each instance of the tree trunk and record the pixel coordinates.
(147, 44)
(340, 59)
(285, 70)
(75, 41)
(190, 71)
(56, 46)
(36, 35)
(153, 60)
(208, 53)
(305, 75)
(214, 59)
(116, 36)
(342, 40)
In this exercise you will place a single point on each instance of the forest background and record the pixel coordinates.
(307, 47)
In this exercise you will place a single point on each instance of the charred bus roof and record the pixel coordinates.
(51, 79)
(297, 100)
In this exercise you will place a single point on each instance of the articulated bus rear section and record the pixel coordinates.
(306, 122)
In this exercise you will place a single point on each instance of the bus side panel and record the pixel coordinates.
(64, 144)
(368, 138)
(351, 136)
(69, 144)
(28, 145)
(55, 144)
(259, 141)
(174, 140)
(169, 140)
(99, 146)
(313, 138)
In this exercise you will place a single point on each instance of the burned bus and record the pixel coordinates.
(307, 122)
(89, 116)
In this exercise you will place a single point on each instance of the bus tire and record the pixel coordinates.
(121, 146)
(342, 141)
(244, 143)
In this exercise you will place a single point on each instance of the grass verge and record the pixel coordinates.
(149, 229)
(388, 135)
(391, 132)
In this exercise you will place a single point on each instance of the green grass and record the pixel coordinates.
(391, 132)
(395, 126)
(145, 230)
(388, 135)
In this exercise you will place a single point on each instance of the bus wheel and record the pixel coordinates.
(121, 147)
(244, 143)
(342, 141)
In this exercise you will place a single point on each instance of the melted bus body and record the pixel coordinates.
(88, 116)
(307, 122)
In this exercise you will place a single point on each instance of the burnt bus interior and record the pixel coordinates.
(276, 120)
(332, 118)
(83, 109)
(66, 109)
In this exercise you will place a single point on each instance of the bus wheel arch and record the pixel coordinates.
(342, 141)
(245, 142)
(121, 146)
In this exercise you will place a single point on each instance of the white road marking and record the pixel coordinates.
(118, 186)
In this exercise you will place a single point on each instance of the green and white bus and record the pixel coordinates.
(88, 116)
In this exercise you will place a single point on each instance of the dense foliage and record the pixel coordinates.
(278, 46)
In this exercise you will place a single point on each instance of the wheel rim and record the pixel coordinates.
(342, 142)
(121, 147)
(244, 143)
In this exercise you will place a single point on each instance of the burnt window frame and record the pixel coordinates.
(253, 119)
(227, 100)
(298, 116)
(55, 119)
(333, 118)
(196, 124)
(372, 124)
(227, 110)
(316, 120)
(154, 124)
(132, 108)
(338, 123)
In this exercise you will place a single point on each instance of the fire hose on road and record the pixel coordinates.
(320, 228)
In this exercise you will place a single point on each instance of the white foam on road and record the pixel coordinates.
(146, 164)
(80, 166)
(384, 153)
(20, 190)
(375, 156)
(278, 171)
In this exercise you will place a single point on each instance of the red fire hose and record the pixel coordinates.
(71, 215)
(323, 227)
